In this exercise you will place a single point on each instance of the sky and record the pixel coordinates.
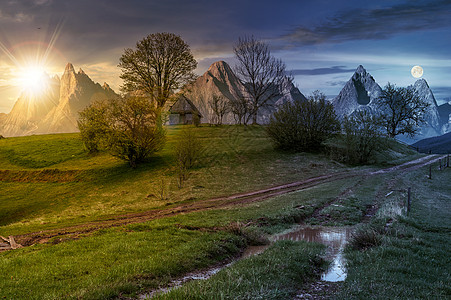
(322, 42)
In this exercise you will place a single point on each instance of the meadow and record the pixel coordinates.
(49, 182)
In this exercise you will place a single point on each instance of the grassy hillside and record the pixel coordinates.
(50, 182)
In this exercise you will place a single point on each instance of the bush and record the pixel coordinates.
(303, 125)
(363, 137)
(93, 125)
(187, 152)
(128, 128)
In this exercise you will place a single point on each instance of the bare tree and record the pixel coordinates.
(240, 109)
(160, 64)
(261, 73)
(403, 110)
(220, 106)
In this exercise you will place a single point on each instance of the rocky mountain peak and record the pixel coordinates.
(421, 84)
(221, 70)
(69, 69)
(360, 70)
(360, 92)
(81, 72)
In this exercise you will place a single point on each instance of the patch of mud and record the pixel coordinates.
(319, 290)
(197, 275)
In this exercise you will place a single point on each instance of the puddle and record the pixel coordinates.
(334, 238)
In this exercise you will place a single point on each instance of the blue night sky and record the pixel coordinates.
(322, 42)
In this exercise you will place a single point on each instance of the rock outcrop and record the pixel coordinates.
(55, 110)
(221, 80)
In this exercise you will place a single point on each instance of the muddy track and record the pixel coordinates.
(75, 232)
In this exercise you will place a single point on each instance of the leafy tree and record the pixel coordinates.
(160, 64)
(220, 107)
(303, 125)
(262, 74)
(363, 136)
(128, 128)
(402, 110)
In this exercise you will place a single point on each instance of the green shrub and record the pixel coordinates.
(363, 137)
(129, 128)
(303, 125)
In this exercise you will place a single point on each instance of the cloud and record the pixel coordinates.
(321, 71)
(339, 83)
(374, 24)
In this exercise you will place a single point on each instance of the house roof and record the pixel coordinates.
(183, 106)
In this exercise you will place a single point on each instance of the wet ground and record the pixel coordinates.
(335, 238)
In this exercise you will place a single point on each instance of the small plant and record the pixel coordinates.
(1, 137)
(161, 189)
(365, 238)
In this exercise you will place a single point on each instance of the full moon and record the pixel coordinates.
(417, 71)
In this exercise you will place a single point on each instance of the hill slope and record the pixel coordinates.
(438, 144)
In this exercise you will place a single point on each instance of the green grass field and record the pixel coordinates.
(50, 182)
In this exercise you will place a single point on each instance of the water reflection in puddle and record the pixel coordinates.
(334, 238)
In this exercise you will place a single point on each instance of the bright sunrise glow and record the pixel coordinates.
(33, 79)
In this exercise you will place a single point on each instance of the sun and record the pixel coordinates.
(33, 79)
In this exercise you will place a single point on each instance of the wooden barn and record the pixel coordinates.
(183, 111)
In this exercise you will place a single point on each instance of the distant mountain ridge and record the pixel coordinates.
(56, 109)
(438, 144)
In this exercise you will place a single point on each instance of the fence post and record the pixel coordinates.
(440, 162)
(408, 200)
(430, 171)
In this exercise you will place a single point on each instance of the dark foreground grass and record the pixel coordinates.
(409, 259)
(275, 274)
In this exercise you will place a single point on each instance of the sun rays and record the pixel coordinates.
(31, 61)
